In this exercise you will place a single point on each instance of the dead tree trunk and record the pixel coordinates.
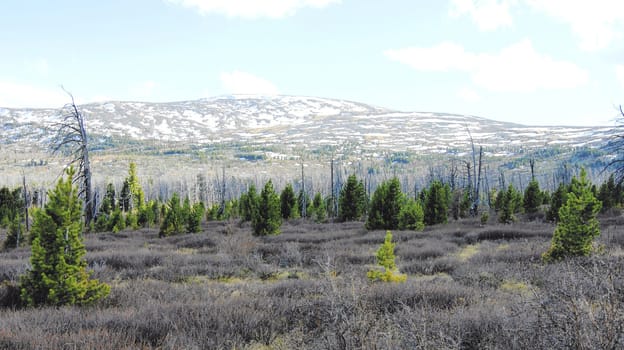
(469, 173)
(453, 175)
(26, 202)
(71, 137)
(333, 198)
(303, 193)
(222, 190)
(475, 206)
(487, 188)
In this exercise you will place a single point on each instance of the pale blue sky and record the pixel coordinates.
(534, 62)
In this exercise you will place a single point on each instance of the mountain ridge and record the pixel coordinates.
(297, 122)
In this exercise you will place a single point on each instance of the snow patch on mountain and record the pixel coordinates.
(294, 121)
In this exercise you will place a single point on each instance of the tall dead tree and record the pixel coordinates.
(26, 204)
(222, 190)
(71, 138)
(453, 175)
(333, 197)
(475, 206)
(304, 213)
(476, 177)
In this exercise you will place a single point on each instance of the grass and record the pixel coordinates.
(468, 287)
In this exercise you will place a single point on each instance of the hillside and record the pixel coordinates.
(301, 122)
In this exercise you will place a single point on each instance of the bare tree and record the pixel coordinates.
(71, 137)
(304, 213)
(476, 184)
(26, 204)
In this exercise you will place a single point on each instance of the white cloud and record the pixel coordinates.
(619, 74)
(597, 23)
(520, 68)
(487, 14)
(469, 95)
(243, 83)
(517, 68)
(15, 95)
(251, 9)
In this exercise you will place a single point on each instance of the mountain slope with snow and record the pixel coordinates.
(302, 122)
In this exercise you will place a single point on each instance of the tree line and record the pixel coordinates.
(387, 208)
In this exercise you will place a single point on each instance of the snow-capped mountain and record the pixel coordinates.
(302, 122)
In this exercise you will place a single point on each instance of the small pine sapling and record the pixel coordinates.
(386, 259)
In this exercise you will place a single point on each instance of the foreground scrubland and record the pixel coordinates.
(469, 286)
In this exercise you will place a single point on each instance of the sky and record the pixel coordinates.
(534, 62)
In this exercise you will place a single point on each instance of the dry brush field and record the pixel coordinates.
(469, 287)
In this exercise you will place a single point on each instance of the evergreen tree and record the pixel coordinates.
(125, 197)
(386, 259)
(117, 221)
(108, 202)
(577, 225)
(149, 214)
(385, 206)
(509, 204)
(232, 209)
(11, 204)
(212, 214)
(288, 203)
(608, 194)
(108, 206)
(517, 201)
(132, 220)
(557, 200)
(58, 274)
(248, 204)
(15, 235)
(352, 200)
(136, 191)
(436, 204)
(186, 210)
(498, 202)
(267, 219)
(411, 216)
(173, 221)
(320, 211)
(545, 197)
(193, 223)
(619, 194)
(466, 204)
(532, 197)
